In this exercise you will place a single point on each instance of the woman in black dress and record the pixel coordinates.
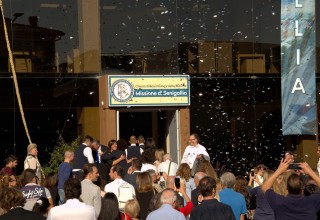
(115, 156)
(144, 192)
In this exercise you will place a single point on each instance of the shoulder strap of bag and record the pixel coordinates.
(169, 167)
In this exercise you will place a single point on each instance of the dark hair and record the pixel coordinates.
(294, 184)
(27, 176)
(137, 164)
(179, 201)
(111, 142)
(88, 168)
(122, 144)
(51, 180)
(72, 189)
(110, 207)
(41, 206)
(118, 169)
(150, 144)
(196, 136)
(88, 138)
(10, 158)
(147, 157)
(11, 197)
(206, 186)
(310, 189)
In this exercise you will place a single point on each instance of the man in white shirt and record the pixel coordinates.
(73, 209)
(90, 193)
(167, 167)
(194, 151)
(116, 173)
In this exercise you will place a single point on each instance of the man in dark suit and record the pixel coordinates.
(12, 201)
(103, 166)
(133, 171)
(210, 208)
(82, 156)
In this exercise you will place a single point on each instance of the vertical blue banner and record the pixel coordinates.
(298, 67)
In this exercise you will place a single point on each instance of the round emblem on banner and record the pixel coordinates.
(122, 90)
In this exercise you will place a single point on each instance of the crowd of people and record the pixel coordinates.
(135, 180)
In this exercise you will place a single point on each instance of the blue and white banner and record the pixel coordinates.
(298, 67)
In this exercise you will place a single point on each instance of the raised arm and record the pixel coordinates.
(281, 169)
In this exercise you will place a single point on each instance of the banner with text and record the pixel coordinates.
(298, 89)
(155, 90)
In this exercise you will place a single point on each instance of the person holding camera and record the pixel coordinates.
(294, 205)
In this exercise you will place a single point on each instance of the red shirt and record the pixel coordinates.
(7, 170)
(186, 210)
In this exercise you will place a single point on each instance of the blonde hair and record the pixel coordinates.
(132, 208)
(144, 182)
(184, 171)
(280, 185)
(159, 154)
(218, 189)
(206, 167)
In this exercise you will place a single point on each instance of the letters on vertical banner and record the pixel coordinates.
(298, 67)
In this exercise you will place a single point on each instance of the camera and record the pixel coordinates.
(294, 166)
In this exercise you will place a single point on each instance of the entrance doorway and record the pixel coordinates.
(160, 126)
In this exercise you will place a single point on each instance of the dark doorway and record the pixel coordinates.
(150, 124)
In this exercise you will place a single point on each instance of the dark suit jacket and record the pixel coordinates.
(105, 165)
(20, 213)
(212, 210)
(131, 178)
(194, 196)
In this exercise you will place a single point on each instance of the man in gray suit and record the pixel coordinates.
(90, 193)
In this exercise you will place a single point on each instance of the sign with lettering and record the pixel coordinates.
(298, 51)
(150, 90)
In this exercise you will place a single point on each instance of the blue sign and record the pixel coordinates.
(298, 67)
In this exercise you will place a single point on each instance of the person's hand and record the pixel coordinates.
(283, 166)
(182, 188)
(164, 175)
(306, 168)
(199, 156)
(200, 198)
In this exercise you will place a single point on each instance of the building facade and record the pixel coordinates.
(64, 51)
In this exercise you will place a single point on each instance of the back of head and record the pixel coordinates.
(88, 168)
(122, 144)
(109, 207)
(132, 208)
(167, 157)
(310, 189)
(51, 180)
(137, 164)
(144, 182)
(184, 171)
(41, 206)
(159, 155)
(147, 157)
(267, 174)
(228, 180)
(170, 182)
(141, 139)
(294, 184)
(168, 196)
(206, 167)
(72, 188)
(133, 139)
(87, 139)
(11, 197)
(119, 170)
(10, 158)
(28, 176)
(206, 186)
